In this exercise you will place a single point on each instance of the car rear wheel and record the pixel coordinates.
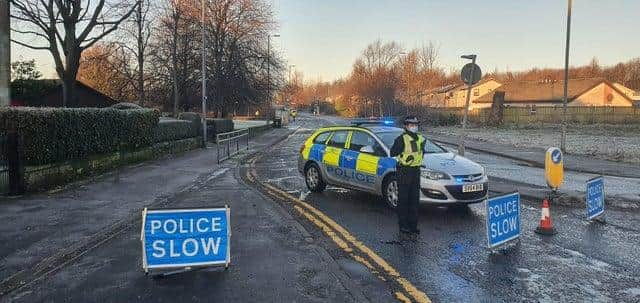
(313, 179)
(390, 191)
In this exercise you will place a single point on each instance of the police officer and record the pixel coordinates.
(408, 150)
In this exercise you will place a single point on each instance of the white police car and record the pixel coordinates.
(357, 157)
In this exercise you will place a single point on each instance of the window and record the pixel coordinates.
(432, 148)
(338, 139)
(321, 138)
(476, 92)
(361, 139)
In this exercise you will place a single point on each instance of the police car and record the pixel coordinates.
(357, 157)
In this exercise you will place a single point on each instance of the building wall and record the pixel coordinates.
(459, 97)
(601, 95)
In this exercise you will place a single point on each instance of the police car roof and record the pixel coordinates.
(373, 128)
(381, 128)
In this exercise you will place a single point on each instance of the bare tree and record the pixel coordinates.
(66, 28)
(105, 68)
(134, 39)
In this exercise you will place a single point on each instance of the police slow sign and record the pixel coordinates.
(180, 238)
(503, 219)
(595, 197)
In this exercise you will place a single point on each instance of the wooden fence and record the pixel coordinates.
(550, 115)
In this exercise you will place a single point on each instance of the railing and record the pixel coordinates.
(224, 141)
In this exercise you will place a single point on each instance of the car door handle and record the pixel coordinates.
(348, 158)
(323, 151)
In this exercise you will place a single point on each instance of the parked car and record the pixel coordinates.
(357, 157)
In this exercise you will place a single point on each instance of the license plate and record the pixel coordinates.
(469, 188)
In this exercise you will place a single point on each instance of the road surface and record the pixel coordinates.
(450, 261)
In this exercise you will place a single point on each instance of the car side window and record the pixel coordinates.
(378, 150)
(321, 138)
(338, 139)
(361, 139)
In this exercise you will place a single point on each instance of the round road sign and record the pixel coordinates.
(466, 76)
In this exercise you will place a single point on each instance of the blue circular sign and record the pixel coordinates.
(556, 156)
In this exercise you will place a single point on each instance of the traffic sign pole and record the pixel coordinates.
(469, 77)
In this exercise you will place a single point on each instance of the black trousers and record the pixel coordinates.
(408, 197)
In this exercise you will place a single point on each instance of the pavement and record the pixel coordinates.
(242, 124)
(81, 243)
(511, 166)
(536, 156)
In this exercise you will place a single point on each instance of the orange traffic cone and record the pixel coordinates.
(546, 226)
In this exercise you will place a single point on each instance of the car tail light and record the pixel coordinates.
(302, 147)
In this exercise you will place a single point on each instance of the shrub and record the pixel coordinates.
(171, 130)
(194, 118)
(59, 134)
(217, 126)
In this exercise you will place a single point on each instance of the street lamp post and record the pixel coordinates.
(204, 79)
(269, 67)
(286, 101)
(563, 139)
(5, 53)
(291, 66)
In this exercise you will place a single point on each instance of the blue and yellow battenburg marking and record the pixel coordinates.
(339, 160)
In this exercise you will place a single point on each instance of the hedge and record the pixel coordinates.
(194, 118)
(214, 126)
(171, 130)
(217, 126)
(60, 134)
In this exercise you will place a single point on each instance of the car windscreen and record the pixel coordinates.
(389, 137)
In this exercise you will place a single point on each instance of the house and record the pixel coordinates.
(456, 95)
(632, 94)
(48, 93)
(581, 92)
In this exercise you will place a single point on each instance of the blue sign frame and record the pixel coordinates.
(185, 238)
(594, 197)
(503, 219)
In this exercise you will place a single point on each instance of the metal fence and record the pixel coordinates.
(4, 165)
(225, 141)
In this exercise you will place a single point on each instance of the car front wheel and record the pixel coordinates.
(313, 179)
(390, 192)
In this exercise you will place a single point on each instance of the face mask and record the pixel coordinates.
(413, 129)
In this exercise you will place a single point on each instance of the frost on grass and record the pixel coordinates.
(610, 142)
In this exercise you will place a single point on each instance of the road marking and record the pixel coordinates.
(303, 195)
(401, 297)
(217, 173)
(344, 239)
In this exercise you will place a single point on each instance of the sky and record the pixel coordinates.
(322, 38)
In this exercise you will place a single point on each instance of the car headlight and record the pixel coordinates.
(434, 175)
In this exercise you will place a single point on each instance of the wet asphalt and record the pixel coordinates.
(450, 261)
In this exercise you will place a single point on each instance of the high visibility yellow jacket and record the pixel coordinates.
(408, 149)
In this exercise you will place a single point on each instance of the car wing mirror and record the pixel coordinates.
(367, 149)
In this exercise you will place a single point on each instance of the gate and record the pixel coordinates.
(11, 164)
(4, 165)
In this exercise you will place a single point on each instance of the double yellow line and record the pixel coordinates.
(406, 292)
